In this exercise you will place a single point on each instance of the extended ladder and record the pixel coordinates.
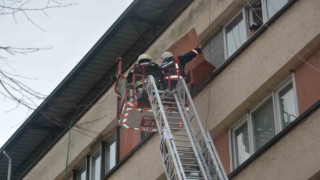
(186, 150)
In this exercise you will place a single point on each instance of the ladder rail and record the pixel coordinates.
(160, 118)
(167, 152)
(193, 145)
(221, 172)
(205, 147)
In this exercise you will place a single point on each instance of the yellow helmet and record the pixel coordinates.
(144, 57)
(166, 54)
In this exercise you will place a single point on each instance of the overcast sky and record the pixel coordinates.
(70, 31)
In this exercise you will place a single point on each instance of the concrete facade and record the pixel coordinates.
(241, 86)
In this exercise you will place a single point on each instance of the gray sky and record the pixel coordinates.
(71, 31)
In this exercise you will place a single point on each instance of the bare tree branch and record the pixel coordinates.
(22, 7)
(15, 50)
(10, 86)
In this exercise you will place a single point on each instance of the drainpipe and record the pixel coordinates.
(9, 165)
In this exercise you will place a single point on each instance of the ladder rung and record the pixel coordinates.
(191, 176)
(179, 134)
(186, 157)
(186, 152)
(184, 146)
(180, 140)
(188, 168)
(174, 123)
(167, 97)
(174, 118)
(191, 170)
(177, 129)
(168, 102)
(188, 164)
(195, 177)
(170, 107)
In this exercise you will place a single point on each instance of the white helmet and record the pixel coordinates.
(144, 57)
(166, 54)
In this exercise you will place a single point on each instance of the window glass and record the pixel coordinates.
(254, 16)
(236, 34)
(82, 174)
(274, 6)
(241, 144)
(287, 104)
(96, 167)
(111, 156)
(263, 124)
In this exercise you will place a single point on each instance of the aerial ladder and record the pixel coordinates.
(187, 151)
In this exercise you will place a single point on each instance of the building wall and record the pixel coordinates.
(307, 82)
(52, 165)
(145, 164)
(239, 87)
(255, 72)
(294, 157)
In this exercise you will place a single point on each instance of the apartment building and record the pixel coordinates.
(257, 92)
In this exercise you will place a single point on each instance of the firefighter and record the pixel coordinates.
(149, 68)
(173, 67)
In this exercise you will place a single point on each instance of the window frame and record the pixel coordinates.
(80, 170)
(275, 93)
(245, 16)
(247, 118)
(232, 142)
(255, 109)
(266, 9)
(106, 147)
(242, 12)
(91, 163)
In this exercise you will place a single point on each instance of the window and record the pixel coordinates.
(96, 166)
(82, 174)
(287, 105)
(236, 34)
(110, 155)
(273, 6)
(254, 14)
(262, 123)
(241, 143)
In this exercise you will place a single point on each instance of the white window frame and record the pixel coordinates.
(275, 93)
(91, 163)
(232, 142)
(247, 118)
(107, 145)
(242, 12)
(245, 18)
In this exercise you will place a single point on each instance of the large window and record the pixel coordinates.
(262, 123)
(110, 155)
(254, 14)
(96, 166)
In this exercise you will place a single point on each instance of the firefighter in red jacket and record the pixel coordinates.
(173, 67)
